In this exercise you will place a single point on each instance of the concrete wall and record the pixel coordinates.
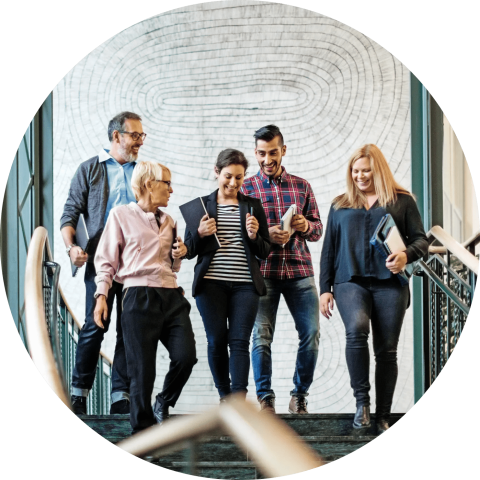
(204, 78)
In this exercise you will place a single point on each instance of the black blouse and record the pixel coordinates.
(347, 252)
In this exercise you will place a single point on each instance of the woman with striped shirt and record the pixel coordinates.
(227, 282)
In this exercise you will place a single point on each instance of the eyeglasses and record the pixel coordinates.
(135, 135)
(168, 182)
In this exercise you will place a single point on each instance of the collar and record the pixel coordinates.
(282, 178)
(104, 155)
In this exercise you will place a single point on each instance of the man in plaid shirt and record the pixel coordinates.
(288, 270)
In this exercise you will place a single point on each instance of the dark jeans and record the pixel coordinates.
(151, 315)
(302, 300)
(228, 311)
(90, 340)
(383, 302)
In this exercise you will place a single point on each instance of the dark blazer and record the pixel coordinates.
(254, 249)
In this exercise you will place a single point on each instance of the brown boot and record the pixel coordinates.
(267, 404)
(298, 404)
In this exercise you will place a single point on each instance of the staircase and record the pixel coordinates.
(330, 435)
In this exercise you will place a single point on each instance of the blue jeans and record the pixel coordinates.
(302, 300)
(228, 312)
(90, 340)
(383, 302)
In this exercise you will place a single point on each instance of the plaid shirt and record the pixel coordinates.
(294, 260)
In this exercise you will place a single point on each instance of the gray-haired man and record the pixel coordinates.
(99, 184)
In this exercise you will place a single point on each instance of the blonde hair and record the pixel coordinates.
(146, 170)
(386, 188)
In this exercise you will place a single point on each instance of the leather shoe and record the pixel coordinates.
(79, 405)
(160, 412)
(122, 407)
(382, 425)
(298, 404)
(362, 417)
(267, 404)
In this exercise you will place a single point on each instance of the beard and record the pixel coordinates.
(127, 157)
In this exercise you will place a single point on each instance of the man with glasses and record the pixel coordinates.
(99, 184)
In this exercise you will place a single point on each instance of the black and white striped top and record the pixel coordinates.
(230, 261)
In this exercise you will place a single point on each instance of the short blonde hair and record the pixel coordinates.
(146, 170)
(386, 188)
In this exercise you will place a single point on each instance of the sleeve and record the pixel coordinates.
(107, 257)
(260, 247)
(193, 242)
(415, 233)
(327, 259)
(312, 215)
(77, 199)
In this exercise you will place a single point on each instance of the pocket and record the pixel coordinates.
(124, 295)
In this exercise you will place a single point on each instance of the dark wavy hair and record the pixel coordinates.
(268, 133)
(230, 156)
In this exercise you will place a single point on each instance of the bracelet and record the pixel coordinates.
(70, 247)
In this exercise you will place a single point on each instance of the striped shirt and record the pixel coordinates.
(230, 261)
(294, 260)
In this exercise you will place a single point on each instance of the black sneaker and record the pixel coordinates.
(122, 407)
(160, 412)
(79, 405)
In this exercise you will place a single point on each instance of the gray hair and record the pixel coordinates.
(118, 122)
(146, 170)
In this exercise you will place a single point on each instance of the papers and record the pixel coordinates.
(394, 242)
(286, 220)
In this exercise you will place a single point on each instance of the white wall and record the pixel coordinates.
(204, 78)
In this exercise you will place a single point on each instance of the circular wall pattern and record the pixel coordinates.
(204, 78)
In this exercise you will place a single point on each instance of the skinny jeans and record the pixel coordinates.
(383, 303)
(228, 311)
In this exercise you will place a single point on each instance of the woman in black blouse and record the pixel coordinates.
(227, 283)
(364, 285)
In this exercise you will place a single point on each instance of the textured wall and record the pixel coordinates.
(204, 78)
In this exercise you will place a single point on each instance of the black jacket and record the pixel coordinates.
(260, 247)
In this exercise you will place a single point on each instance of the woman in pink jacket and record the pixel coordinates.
(139, 248)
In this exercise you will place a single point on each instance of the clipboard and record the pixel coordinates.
(193, 212)
(381, 244)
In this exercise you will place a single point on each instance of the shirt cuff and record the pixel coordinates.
(102, 288)
(308, 231)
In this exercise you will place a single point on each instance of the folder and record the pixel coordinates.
(388, 239)
(82, 239)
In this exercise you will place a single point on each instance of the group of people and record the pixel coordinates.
(245, 262)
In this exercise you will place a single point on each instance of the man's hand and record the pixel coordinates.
(280, 237)
(78, 256)
(326, 304)
(300, 223)
(207, 227)
(396, 262)
(101, 311)
(252, 227)
(179, 249)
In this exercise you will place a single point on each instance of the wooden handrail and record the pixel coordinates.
(454, 247)
(37, 333)
(274, 447)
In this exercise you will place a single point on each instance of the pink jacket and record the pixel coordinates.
(135, 251)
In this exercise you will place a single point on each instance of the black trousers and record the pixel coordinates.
(151, 315)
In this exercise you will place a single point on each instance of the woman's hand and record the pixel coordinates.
(179, 249)
(101, 311)
(252, 227)
(326, 304)
(396, 262)
(207, 227)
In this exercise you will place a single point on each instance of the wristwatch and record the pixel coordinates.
(69, 248)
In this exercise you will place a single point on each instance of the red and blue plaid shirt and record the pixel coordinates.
(294, 260)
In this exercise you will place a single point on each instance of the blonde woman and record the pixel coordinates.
(140, 249)
(362, 283)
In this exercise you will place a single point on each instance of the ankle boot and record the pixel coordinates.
(362, 417)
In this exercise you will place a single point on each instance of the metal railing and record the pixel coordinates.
(449, 277)
(52, 328)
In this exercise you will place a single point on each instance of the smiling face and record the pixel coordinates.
(362, 176)
(161, 191)
(269, 156)
(230, 179)
(127, 147)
